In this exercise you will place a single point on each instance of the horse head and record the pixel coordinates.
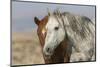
(52, 38)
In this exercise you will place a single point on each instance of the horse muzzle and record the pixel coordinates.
(47, 51)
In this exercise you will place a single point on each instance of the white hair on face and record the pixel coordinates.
(53, 37)
(80, 31)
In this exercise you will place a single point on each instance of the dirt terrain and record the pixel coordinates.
(26, 49)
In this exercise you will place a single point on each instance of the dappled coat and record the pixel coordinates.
(80, 32)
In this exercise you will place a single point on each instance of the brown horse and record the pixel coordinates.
(60, 54)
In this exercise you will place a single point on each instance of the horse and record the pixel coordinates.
(76, 32)
(60, 54)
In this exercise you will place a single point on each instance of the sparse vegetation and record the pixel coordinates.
(26, 49)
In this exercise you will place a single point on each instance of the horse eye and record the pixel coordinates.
(56, 28)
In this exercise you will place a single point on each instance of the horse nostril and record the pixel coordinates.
(48, 49)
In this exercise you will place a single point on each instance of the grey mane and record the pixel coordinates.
(81, 33)
(78, 24)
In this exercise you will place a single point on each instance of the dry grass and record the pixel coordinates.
(26, 49)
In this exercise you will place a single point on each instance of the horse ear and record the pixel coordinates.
(48, 12)
(37, 21)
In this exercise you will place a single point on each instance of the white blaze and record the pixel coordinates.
(53, 37)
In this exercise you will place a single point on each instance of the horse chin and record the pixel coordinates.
(48, 55)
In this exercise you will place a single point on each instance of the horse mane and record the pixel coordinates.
(78, 25)
(80, 32)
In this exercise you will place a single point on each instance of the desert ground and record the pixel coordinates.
(26, 49)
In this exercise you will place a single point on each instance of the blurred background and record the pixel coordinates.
(26, 48)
